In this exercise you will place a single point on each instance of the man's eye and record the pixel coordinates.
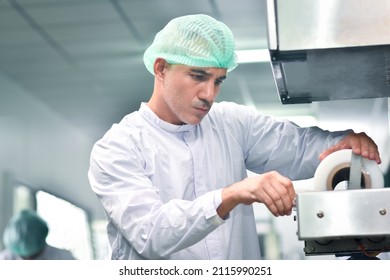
(198, 77)
(218, 82)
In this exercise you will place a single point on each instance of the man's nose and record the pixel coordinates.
(208, 92)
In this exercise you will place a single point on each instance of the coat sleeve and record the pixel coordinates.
(269, 144)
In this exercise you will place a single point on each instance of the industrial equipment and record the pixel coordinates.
(335, 50)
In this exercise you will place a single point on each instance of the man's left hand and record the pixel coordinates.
(360, 143)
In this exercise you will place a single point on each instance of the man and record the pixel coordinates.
(25, 239)
(172, 176)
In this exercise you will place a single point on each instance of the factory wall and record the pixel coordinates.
(41, 149)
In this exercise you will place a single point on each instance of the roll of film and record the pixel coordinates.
(335, 169)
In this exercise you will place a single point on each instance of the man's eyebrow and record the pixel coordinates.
(203, 72)
(200, 71)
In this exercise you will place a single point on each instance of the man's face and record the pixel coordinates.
(189, 92)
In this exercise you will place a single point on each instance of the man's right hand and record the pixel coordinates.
(274, 190)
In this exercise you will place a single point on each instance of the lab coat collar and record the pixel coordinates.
(147, 113)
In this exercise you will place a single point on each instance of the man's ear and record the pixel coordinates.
(159, 67)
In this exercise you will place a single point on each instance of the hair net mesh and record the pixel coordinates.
(25, 234)
(194, 40)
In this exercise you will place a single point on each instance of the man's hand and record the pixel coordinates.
(360, 143)
(272, 189)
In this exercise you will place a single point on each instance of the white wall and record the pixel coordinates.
(40, 148)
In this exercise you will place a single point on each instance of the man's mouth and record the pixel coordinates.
(202, 109)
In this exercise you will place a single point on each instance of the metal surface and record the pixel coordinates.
(355, 181)
(344, 223)
(346, 246)
(318, 24)
(271, 24)
(329, 50)
(340, 214)
(332, 74)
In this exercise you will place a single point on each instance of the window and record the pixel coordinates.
(69, 226)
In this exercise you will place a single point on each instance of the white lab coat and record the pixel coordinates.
(160, 184)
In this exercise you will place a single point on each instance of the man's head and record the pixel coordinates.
(193, 40)
(25, 234)
(189, 58)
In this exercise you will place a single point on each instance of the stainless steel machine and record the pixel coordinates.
(354, 221)
(335, 50)
(329, 50)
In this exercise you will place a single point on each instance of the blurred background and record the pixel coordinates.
(69, 69)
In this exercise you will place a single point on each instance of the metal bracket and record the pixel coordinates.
(355, 172)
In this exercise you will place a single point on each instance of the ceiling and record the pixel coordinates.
(83, 59)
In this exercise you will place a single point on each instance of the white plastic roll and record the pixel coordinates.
(336, 166)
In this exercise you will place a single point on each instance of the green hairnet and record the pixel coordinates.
(25, 234)
(194, 40)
